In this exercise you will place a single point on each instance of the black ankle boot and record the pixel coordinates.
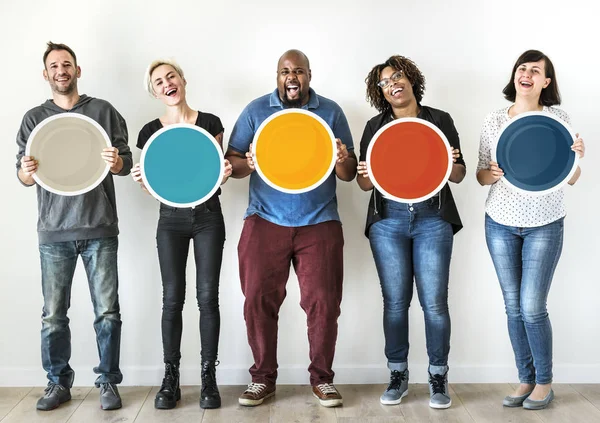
(169, 392)
(209, 397)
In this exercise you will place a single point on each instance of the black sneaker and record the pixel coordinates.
(209, 397)
(169, 393)
(54, 395)
(109, 397)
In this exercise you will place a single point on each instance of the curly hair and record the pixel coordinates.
(399, 63)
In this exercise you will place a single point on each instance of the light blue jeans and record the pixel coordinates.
(525, 260)
(58, 261)
(413, 242)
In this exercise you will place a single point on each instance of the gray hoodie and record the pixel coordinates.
(86, 216)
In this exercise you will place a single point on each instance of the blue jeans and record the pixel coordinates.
(525, 259)
(58, 261)
(413, 242)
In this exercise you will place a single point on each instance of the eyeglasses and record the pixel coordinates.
(397, 76)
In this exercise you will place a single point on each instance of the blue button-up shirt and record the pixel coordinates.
(309, 208)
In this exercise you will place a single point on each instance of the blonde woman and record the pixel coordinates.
(203, 225)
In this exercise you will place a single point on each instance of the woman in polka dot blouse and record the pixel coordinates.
(524, 233)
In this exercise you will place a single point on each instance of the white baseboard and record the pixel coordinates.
(228, 375)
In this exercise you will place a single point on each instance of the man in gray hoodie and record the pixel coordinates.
(84, 225)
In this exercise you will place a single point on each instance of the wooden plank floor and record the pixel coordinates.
(471, 403)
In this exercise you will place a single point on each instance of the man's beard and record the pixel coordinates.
(297, 103)
(66, 90)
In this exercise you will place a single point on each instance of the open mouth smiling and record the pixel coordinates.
(396, 91)
(292, 89)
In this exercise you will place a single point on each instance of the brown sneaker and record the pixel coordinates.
(256, 394)
(327, 394)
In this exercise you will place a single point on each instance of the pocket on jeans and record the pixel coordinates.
(213, 205)
(166, 211)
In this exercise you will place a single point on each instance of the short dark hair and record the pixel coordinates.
(399, 63)
(549, 95)
(53, 46)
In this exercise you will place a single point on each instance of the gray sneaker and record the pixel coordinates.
(439, 396)
(397, 389)
(54, 395)
(109, 396)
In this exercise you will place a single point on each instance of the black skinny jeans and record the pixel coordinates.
(205, 226)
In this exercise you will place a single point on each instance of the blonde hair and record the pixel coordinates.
(156, 63)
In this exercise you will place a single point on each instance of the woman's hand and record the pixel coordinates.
(578, 146)
(136, 174)
(495, 172)
(362, 169)
(455, 154)
(227, 171)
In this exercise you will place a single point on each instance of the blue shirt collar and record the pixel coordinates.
(313, 101)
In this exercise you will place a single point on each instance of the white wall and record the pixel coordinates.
(229, 52)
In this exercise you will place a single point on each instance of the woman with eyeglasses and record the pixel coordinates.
(524, 233)
(203, 225)
(411, 241)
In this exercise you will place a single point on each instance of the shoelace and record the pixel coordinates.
(170, 379)
(209, 378)
(256, 388)
(396, 379)
(208, 371)
(327, 388)
(51, 388)
(105, 387)
(438, 384)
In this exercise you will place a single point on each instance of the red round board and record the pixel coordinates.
(409, 160)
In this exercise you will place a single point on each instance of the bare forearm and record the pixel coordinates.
(364, 183)
(240, 168)
(485, 177)
(346, 171)
(575, 176)
(458, 173)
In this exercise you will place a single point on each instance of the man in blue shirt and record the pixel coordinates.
(303, 229)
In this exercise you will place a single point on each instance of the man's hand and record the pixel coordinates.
(342, 151)
(29, 165)
(250, 158)
(111, 156)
